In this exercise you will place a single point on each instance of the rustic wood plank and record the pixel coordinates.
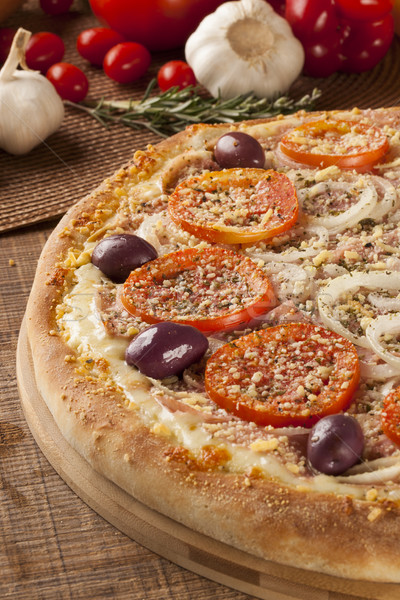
(52, 545)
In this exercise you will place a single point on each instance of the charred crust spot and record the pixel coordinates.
(58, 277)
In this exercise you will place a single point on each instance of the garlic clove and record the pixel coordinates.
(245, 47)
(30, 108)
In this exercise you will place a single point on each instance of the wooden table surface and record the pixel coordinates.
(51, 544)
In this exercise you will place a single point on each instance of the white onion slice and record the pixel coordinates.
(290, 256)
(292, 282)
(348, 218)
(379, 326)
(390, 384)
(378, 372)
(380, 475)
(389, 200)
(383, 303)
(367, 466)
(388, 280)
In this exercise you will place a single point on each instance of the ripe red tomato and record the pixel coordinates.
(175, 73)
(43, 50)
(158, 24)
(126, 62)
(365, 43)
(6, 38)
(55, 7)
(364, 10)
(93, 44)
(70, 82)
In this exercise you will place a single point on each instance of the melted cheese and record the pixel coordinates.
(84, 332)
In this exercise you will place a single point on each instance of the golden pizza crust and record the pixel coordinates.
(333, 534)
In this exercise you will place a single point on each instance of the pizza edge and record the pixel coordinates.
(321, 532)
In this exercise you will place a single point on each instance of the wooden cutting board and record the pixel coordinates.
(191, 550)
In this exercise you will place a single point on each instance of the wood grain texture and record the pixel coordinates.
(194, 551)
(52, 545)
(70, 163)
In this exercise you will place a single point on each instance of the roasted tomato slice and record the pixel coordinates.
(211, 289)
(291, 374)
(235, 206)
(347, 144)
(391, 416)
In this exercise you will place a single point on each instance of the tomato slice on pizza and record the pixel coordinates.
(290, 374)
(235, 206)
(391, 416)
(211, 289)
(346, 144)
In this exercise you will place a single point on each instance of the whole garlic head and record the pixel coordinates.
(245, 47)
(30, 108)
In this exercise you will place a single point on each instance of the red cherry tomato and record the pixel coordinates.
(93, 44)
(70, 82)
(55, 7)
(6, 38)
(322, 56)
(366, 43)
(126, 62)
(43, 50)
(312, 20)
(158, 24)
(175, 73)
(364, 10)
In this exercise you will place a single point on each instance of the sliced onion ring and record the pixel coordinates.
(348, 218)
(389, 200)
(378, 372)
(380, 475)
(290, 256)
(379, 326)
(388, 280)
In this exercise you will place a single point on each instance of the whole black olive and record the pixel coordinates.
(166, 349)
(238, 149)
(116, 256)
(335, 444)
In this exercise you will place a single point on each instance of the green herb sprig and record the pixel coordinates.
(171, 111)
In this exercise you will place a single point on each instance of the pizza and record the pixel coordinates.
(216, 330)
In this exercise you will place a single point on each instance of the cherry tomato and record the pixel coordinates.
(323, 56)
(157, 24)
(93, 44)
(312, 20)
(347, 144)
(256, 205)
(278, 6)
(365, 44)
(175, 73)
(391, 416)
(126, 62)
(291, 374)
(70, 82)
(364, 10)
(211, 289)
(43, 50)
(55, 7)
(6, 37)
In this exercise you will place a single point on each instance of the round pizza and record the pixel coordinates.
(216, 329)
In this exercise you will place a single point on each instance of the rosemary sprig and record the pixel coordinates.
(171, 111)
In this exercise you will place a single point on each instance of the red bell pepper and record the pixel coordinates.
(345, 35)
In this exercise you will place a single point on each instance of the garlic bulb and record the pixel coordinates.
(245, 47)
(30, 108)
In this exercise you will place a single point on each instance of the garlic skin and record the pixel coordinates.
(245, 47)
(30, 108)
